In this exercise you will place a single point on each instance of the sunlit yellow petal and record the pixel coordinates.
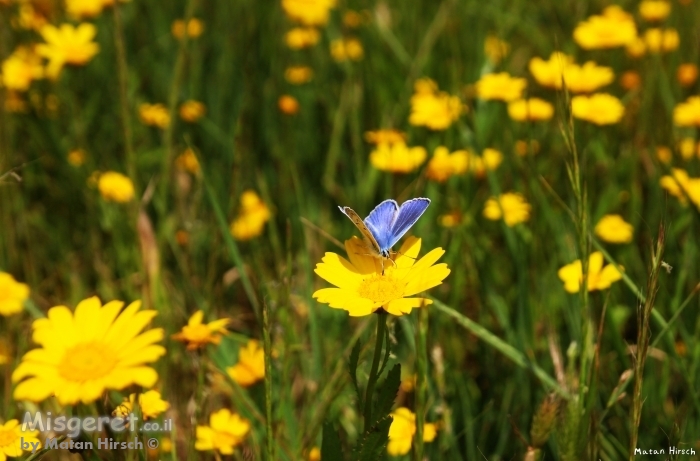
(338, 271)
(403, 306)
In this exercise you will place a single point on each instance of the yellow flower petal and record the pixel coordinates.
(338, 271)
(403, 306)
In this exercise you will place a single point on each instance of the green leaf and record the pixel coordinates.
(387, 393)
(352, 368)
(331, 449)
(387, 353)
(372, 446)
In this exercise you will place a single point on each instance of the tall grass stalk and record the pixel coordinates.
(372, 381)
(124, 107)
(175, 85)
(421, 381)
(268, 382)
(643, 335)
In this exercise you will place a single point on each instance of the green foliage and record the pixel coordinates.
(500, 324)
(352, 369)
(387, 393)
(331, 449)
(372, 445)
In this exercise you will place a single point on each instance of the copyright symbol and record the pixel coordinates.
(152, 443)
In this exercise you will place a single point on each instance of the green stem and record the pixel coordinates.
(268, 382)
(381, 326)
(421, 381)
(122, 75)
(175, 84)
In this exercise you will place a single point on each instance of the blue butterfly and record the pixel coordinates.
(387, 223)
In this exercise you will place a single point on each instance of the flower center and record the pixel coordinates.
(87, 362)
(7, 438)
(381, 288)
(197, 333)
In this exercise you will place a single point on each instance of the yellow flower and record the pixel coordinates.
(630, 80)
(166, 445)
(14, 102)
(512, 205)
(308, 12)
(67, 45)
(84, 354)
(397, 157)
(402, 430)
(500, 86)
(346, 49)
(83, 9)
(314, 454)
(76, 157)
(434, 109)
(490, 160)
(363, 287)
(673, 184)
(11, 437)
(197, 334)
(195, 27)
(495, 49)
(115, 187)
(408, 383)
(29, 17)
(687, 113)
(636, 48)
(664, 154)
(251, 218)
(20, 69)
(587, 78)
(388, 136)
(679, 184)
(443, 165)
(600, 108)
(612, 29)
(450, 220)
(599, 277)
(301, 37)
(530, 109)
(654, 10)
(187, 161)
(288, 104)
(578, 79)
(687, 74)
(151, 404)
(251, 365)
(226, 430)
(191, 111)
(661, 40)
(154, 115)
(298, 75)
(549, 73)
(688, 148)
(352, 19)
(613, 229)
(13, 294)
(522, 148)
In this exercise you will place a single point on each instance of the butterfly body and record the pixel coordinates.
(387, 223)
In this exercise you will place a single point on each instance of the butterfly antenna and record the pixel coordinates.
(403, 254)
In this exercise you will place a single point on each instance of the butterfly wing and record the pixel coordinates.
(357, 221)
(406, 217)
(380, 222)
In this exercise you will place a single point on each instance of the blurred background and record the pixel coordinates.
(192, 155)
